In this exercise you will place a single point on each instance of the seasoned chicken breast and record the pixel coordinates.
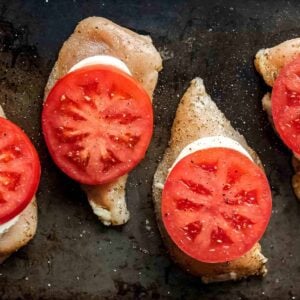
(97, 36)
(20, 233)
(198, 116)
(268, 63)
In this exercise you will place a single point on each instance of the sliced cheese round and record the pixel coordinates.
(211, 142)
(6, 226)
(102, 60)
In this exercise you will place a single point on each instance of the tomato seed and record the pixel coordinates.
(218, 236)
(10, 180)
(296, 124)
(192, 230)
(187, 205)
(249, 197)
(196, 187)
(293, 98)
(208, 167)
(238, 221)
(109, 161)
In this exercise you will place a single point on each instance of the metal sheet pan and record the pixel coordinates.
(73, 256)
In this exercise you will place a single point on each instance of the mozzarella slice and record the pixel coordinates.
(101, 60)
(211, 142)
(6, 226)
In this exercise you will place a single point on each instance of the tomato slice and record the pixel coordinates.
(98, 123)
(216, 204)
(286, 105)
(19, 170)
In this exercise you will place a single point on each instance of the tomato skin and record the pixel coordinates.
(286, 105)
(132, 145)
(29, 156)
(213, 217)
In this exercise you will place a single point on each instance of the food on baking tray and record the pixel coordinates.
(19, 179)
(212, 198)
(280, 68)
(97, 118)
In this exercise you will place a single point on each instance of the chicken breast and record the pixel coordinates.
(20, 233)
(198, 116)
(268, 63)
(97, 36)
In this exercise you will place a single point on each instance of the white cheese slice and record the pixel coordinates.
(6, 226)
(101, 60)
(211, 142)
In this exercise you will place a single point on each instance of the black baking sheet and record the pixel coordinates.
(73, 256)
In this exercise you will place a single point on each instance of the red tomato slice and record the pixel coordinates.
(98, 123)
(19, 170)
(216, 204)
(286, 105)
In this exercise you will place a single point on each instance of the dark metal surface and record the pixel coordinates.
(73, 256)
